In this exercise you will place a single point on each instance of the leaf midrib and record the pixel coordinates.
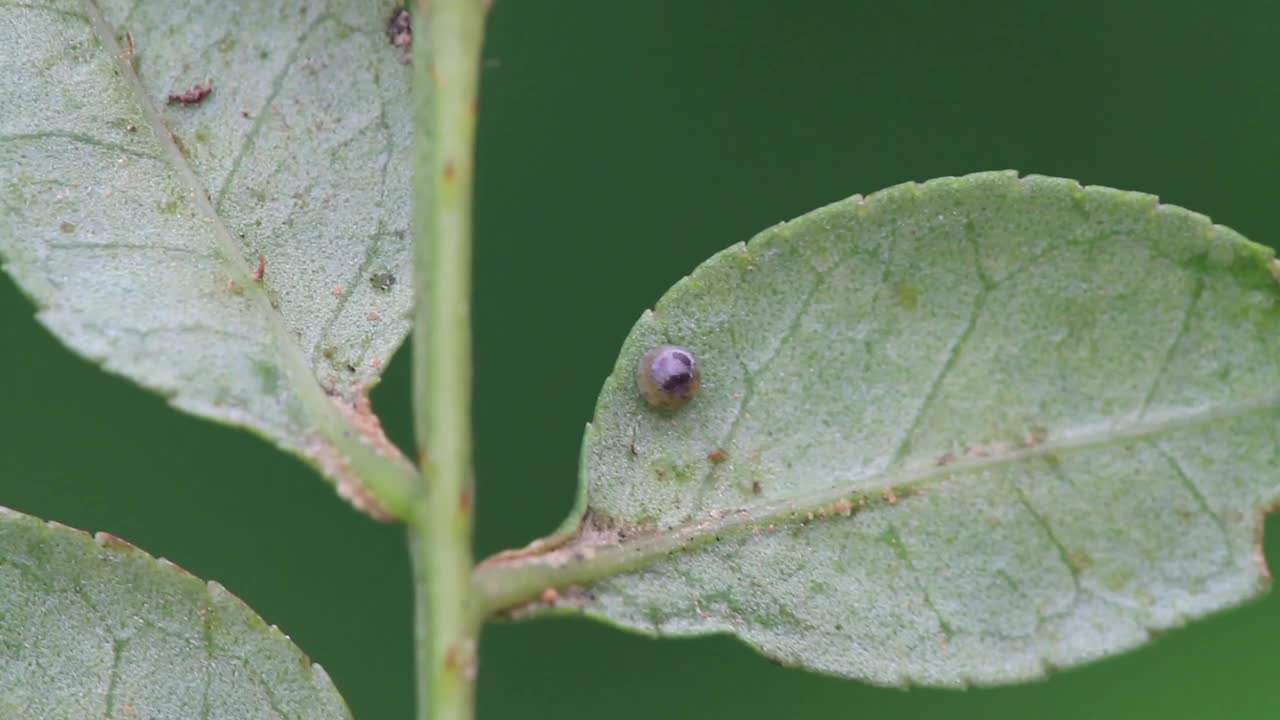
(316, 402)
(506, 582)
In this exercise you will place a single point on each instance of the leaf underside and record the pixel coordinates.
(956, 433)
(92, 627)
(140, 226)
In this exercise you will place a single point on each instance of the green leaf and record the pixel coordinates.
(139, 224)
(963, 432)
(92, 627)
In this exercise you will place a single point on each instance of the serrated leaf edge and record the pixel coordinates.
(109, 543)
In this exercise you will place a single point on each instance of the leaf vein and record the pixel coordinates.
(80, 138)
(748, 391)
(1203, 502)
(1196, 292)
(265, 112)
(1042, 522)
(640, 550)
(117, 656)
(953, 353)
(46, 8)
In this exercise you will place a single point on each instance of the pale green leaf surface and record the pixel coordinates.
(973, 430)
(92, 627)
(140, 250)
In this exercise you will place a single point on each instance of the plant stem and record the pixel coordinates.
(446, 57)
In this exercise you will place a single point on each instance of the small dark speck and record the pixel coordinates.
(383, 281)
(351, 368)
(67, 227)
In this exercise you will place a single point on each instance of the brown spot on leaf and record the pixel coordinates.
(261, 271)
(400, 30)
(717, 456)
(1036, 435)
(1080, 560)
(194, 96)
(67, 227)
(549, 596)
(1259, 551)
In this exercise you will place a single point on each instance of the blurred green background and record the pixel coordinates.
(621, 144)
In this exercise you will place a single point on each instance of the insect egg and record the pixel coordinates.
(668, 377)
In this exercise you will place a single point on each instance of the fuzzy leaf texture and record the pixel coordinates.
(243, 251)
(92, 627)
(964, 432)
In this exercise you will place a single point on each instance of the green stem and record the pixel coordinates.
(446, 57)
